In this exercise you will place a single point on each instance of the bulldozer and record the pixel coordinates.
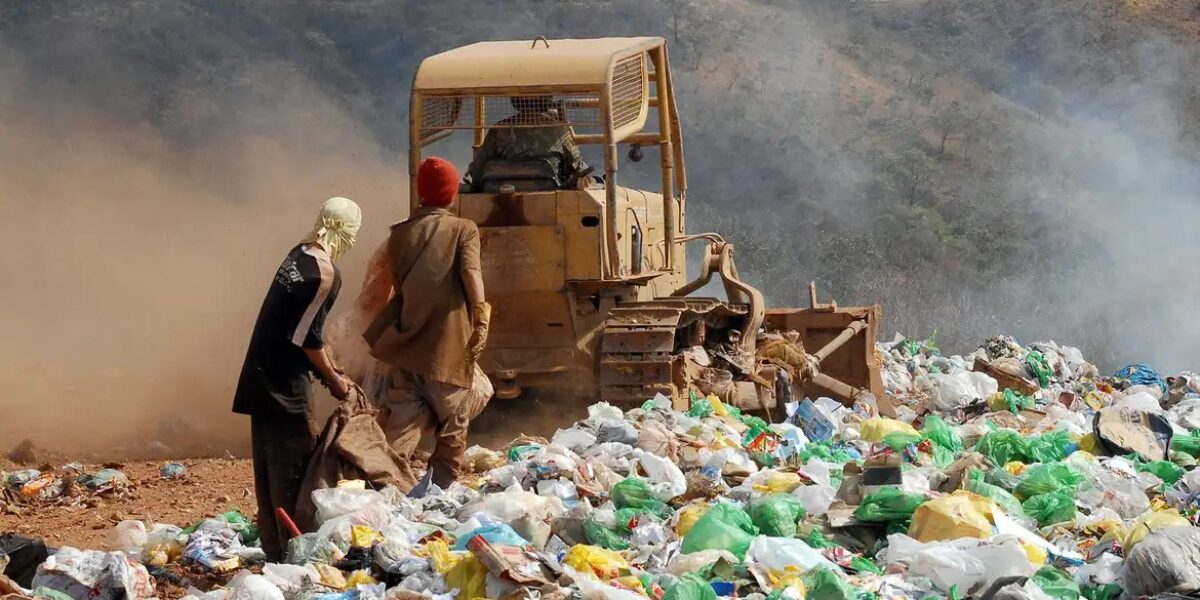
(588, 277)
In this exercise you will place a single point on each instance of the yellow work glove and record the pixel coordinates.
(481, 318)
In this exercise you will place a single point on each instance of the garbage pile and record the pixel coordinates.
(1011, 473)
(68, 483)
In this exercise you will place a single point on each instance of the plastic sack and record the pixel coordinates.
(1167, 560)
(604, 537)
(967, 563)
(776, 515)
(1056, 583)
(636, 493)
(1006, 501)
(888, 504)
(668, 480)
(1186, 443)
(1046, 478)
(690, 587)
(942, 434)
(1037, 364)
(957, 390)
(825, 584)
(1049, 447)
(335, 502)
(815, 498)
(723, 527)
(874, 430)
(898, 441)
(958, 515)
(777, 554)
(499, 533)
(248, 586)
(687, 517)
(1052, 508)
(1154, 520)
(603, 564)
(1167, 471)
(462, 571)
(1003, 446)
(1139, 374)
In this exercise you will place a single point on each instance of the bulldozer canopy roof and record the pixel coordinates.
(515, 64)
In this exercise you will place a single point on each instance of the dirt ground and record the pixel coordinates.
(211, 486)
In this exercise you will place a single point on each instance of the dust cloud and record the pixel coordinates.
(136, 260)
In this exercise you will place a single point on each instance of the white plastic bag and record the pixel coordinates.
(777, 554)
(664, 476)
(335, 502)
(687, 563)
(248, 586)
(94, 575)
(130, 537)
(577, 440)
(965, 562)
(957, 390)
(816, 498)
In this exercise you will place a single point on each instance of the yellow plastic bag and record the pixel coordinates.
(604, 564)
(787, 578)
(874, 430)
(360, 577)
(688, 515)
(461, 570)
(362, 536)
(1152, 521)
(1037, 556)
(779, 483)
(959, 515)
(718, 406)
(1015, 467)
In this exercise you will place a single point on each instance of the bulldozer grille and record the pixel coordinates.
(440, 113)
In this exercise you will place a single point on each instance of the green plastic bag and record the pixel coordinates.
(776, 515)
(626, 516)
(1039, 367)
(1016, 402)
(1003, 446)
(1052, 508)
(823, 584)
(699, 407)
(865, 565)
(1006, 501)
(1046, 478)
(942, 434)
(723, 527)
(1167, 471)
(636, 493)
(822, 451)
(1002, 479)
(888, 504)
(599, 535)
(690, 587)
(516, 453)
(898, 440)
(1048, 447)
(942, 457)
(1187, 443)
(815, 539)
(1056, 583)
(1108, 591)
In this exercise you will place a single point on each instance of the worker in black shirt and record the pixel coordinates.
(286, 349)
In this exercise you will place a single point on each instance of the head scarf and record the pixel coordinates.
(437, 182)
(336, 226)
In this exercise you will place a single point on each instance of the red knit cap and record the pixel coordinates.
(437, 182)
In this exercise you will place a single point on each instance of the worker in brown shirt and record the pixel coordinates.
(435, 326)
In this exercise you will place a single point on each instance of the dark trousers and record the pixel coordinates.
(282, 443)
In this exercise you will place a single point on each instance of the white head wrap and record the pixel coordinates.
(336, 226)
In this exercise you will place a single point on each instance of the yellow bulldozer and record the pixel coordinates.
(588, 278)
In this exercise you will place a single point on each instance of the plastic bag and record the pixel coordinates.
(942, 434)
(687, 517)
(1154, 520)
(1186, 443)
(690, 587)
(1168, 559)
(1051, 508)
(959, 515)
(966, 564)
(776, 515)
(1167, 471)
(1056, 583)
(1046, 478)
(1040, 368)
(636, 493)
(1002, 479)
(499, 533)
(825, 584)
(898, 441)
(335, 502)
(1006, 501)
(462, 571)
(777, 554)
(888, 504)
(1003, 446)
(602, 563)
(668, 480)
(816, 498)
(599, 535)
(874, 430)
(1049, 447)
(723, 527)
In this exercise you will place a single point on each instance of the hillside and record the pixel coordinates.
(977, 167)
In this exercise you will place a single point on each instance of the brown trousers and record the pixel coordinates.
(418, 406)
(282, 443)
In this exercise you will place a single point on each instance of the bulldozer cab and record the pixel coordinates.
(587, 275)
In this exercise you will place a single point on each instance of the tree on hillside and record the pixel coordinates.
(948, 120)
(912, 173)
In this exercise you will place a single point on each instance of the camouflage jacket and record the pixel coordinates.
(539, 135)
